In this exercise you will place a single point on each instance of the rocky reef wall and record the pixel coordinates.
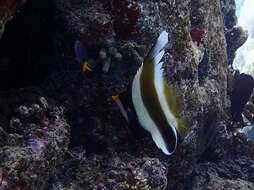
(66, 132)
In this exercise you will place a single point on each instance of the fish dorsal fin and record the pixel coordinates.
(159, 45)
(158, 58)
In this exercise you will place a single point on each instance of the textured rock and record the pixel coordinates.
(117, 171)
(195, 62)
(34, 136)
(228, 8)
(235, 37)
(230, 169)
(212, 182)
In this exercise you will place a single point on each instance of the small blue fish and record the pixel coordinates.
(81, 55)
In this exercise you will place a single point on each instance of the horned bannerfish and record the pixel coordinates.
(151, 99)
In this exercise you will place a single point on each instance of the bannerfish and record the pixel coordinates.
(153, 100)
(81, 55)
(150, 102)
(243, 85)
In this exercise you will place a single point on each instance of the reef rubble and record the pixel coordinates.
(34, 137)
(66, 133)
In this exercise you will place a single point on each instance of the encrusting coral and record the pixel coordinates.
(36, 136)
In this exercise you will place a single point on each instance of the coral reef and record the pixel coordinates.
(117, 171)
(229, 165)
(197, 35)
(34, 137)
(67, 133)
(235, 37)
(228, 8)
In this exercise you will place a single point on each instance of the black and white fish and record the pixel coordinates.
(155, 102)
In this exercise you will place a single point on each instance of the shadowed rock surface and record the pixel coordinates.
(111, 171)
(34, 137)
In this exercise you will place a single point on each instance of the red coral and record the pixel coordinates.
(197, 35)
(125, 18)
(8, 8)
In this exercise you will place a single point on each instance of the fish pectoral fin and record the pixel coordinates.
(183, 125)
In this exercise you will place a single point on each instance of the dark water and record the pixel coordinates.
(26, 48)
